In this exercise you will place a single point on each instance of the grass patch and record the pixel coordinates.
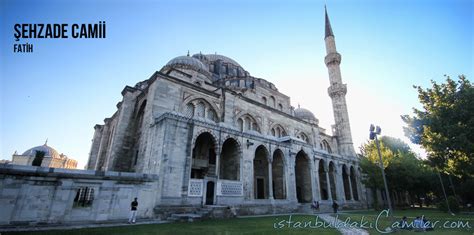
(265, 225)
(451, 221)
(257, 225)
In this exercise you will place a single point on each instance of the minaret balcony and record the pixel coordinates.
(333, 58)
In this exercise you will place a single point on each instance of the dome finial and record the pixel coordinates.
(298, 105)
(46, 142)
(188, 52)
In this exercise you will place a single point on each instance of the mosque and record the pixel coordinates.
(52, 158)
(216, 135)
(200, 134)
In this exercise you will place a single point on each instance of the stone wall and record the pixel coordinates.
(34, 195)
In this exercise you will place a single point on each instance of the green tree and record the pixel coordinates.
(404, 171)
(445, 125)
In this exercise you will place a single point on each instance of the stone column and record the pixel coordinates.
(328, 185)
(339, 183)
(270, 179)
(350, 186)
(317, 188)
(291, 193)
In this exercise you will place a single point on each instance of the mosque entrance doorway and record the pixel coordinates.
(210, 193)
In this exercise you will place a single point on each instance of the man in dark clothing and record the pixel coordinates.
(315, 205)
(335, 206)
(133, 211)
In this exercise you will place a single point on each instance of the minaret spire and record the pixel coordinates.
(328, 31)
(337, 91)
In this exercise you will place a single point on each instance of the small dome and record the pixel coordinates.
(48, 151)
(305, 114)
(188, 61)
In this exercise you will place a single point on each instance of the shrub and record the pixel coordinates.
(453, 205)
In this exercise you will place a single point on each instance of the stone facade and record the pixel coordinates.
(201, 131)
(217, 135)
(37, 195)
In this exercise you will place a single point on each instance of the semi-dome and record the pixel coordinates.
(305, 114)
(48, 151)
(189, 62)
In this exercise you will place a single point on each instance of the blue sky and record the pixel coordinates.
(67, 86)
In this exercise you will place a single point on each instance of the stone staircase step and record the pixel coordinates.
(188, 217)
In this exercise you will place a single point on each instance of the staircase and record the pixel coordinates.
(197, 215)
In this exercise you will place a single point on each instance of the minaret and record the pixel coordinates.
(337, 91)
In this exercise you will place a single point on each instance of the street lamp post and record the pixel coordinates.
(374, 131)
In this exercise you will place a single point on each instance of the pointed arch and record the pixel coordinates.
(303, 136)
(278, 175)
(203, 156)
(260, 173)
(303, 177)
(278, 130)
(272, 101)
(353, 178)
(345, 181)
(325, 146)
(323, 185)
(248, 123)
(229, 162)
(240, 124)
(200, 107)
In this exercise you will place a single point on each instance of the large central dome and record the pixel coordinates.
(187, 61)
(224, 59)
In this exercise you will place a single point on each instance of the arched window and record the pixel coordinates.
(248, 123)
(280, 107)
(272, 101)
(326, 146)
(240, 124)
(200, 109)
(254, 126)
(211, 115)
(278, 131)
(189, 112)
(264, 100)
(302, 136)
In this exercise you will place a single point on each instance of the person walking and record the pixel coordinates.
(335, 206)
(133, 211)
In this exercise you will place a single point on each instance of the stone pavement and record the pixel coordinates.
(344, 230)
(21, 228)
